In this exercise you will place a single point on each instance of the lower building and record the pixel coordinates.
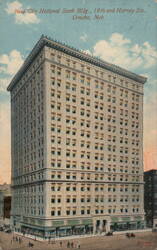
(150, 198)
(5, 204)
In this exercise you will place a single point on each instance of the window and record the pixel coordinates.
(74, 76)
(59, 71)
(82, 212)
(67, 85)
(59, 59)
(73, 87)
(52, 213)
(67, 74)
(68, 212)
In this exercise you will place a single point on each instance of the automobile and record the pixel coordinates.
(7, 231)
(109, 233)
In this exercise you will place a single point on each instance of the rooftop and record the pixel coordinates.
(49, 42)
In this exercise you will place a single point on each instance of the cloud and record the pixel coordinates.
(15, 8)
(150, 87)
(84, 37)
(118, 39)
(4, 82)
(153, 83)
(5, 148)
(11, 63)
(119, 50)
(88, 52)
(11, 7)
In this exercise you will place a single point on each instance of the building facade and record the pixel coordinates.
(77, 136)
(150, 197)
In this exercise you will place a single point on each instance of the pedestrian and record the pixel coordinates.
(60, 243)
(68, 244)
(72, 244)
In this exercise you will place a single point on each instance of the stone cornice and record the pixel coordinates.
(46, 41)
(72, 181)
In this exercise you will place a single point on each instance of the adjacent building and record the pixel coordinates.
(150, 197)
(77, 143)
(5, 204)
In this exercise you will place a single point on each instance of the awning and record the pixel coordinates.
(64, 228)
(28, 226)
(119, 223)
(114, 219)
(126, 219)
(81, 226)
(32, 227)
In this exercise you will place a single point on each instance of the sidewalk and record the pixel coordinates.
(72, 237)
(143, 240)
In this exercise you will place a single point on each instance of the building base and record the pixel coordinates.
(76, 226)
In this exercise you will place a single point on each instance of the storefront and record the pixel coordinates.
(33, 230)
(62, 231)
(124, 226)
(72, 230)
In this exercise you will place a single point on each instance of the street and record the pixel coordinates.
(145, 240)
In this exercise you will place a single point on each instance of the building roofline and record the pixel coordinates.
(46, 41)
(150, 171)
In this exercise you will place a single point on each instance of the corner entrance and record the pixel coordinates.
(101, 226)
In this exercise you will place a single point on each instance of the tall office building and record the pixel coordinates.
(77, 154)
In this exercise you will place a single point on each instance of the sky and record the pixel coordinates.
(121, 32)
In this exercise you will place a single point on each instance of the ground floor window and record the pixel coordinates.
(58, 231)
(123, 226)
